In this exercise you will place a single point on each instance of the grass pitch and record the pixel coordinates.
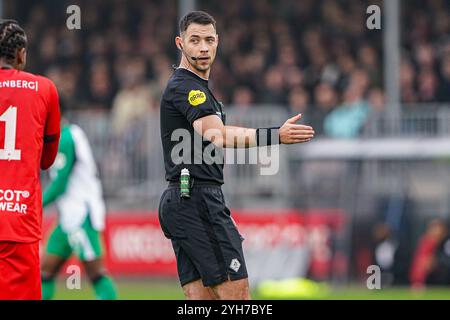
(168, 289)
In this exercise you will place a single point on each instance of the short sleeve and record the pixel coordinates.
(192, 101)
(52, 127)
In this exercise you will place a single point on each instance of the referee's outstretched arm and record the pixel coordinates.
(212, 128)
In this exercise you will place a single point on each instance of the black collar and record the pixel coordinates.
(192, 74)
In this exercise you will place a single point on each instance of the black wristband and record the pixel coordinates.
(267, 136)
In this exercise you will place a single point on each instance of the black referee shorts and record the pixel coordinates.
(204, 237)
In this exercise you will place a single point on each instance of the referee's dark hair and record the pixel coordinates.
(200, 17)
(12, 39)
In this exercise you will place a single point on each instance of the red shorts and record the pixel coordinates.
(20, 277)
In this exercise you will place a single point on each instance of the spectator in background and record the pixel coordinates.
(375, 97)
(318, 61)
(162, 71)
(407, 74)
(391, 236)
(273, 91)
(66, 83)
(134, 101)
(347, 65)
(242, 98)
(368, 60)
(427, 85)
(293, 77)
(100, 91)
(424, 261)
(440, 272)
(376, 120)
(131, 108)
(360, 79)
(325, 99)
(287, 58)
(443, 91)
(385, 247)
(299, 102)
(347, 120)
(425, 56)
(48, 48)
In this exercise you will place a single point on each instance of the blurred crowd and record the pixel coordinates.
(316, 57)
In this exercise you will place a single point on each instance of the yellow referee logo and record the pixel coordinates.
(196, 97)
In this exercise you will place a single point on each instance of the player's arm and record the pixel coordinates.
(61, 169)
(52, 129)
(212, 128)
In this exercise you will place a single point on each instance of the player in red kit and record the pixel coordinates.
(29, 136)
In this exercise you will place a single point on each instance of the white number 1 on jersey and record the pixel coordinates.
(9, 151)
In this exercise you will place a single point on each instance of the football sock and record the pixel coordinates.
(48, 288)
(104, 288)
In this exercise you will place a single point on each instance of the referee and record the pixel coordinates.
(192, 213)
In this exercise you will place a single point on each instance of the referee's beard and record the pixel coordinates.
(201, 67)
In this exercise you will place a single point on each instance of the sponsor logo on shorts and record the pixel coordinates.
(235, 265)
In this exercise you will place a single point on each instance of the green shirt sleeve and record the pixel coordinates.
(61, 169)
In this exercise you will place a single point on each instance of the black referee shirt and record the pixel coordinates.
(187, 98)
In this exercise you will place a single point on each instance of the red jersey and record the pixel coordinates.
(29, 136)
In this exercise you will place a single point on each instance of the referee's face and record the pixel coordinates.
(200, 41)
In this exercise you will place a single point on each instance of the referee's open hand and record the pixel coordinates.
(291, 132)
